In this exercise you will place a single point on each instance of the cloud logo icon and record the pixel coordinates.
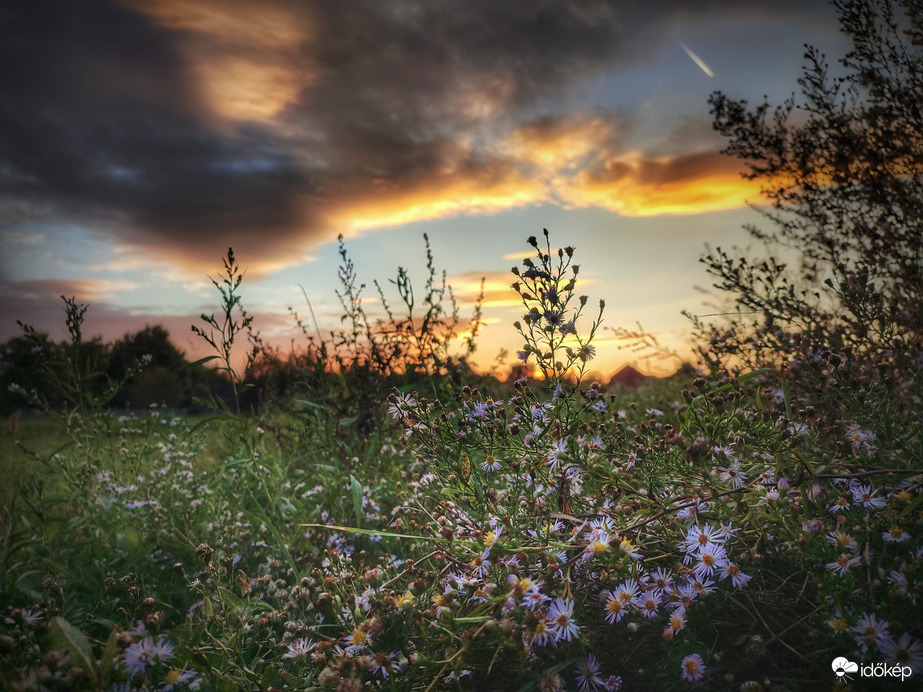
(841, 666)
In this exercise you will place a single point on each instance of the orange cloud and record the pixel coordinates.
(520, 255)
(260, 254)
(245, 56)
(579, 161)
(441, 194)
(633, 185)
(241, 89)
(497, 291)
(555, 144)
(501, 298)
(89, 290)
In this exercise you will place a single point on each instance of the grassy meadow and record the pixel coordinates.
(393, 520)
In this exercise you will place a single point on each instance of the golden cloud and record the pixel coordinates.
(260, 254)
(245, 56)
(241, 89)
(555, 144)
(634, 185)
(520, 255)
(237, 23)
(497, 291)
(88, 290)
(578, 159)
(442, 194)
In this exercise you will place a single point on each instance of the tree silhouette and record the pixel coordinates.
(842, 169)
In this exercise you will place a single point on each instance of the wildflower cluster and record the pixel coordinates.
(547, 287)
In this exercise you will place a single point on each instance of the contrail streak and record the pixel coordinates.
(697, 60)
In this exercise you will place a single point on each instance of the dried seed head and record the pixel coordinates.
(206, 552)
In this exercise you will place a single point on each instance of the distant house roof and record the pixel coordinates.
(628, 377)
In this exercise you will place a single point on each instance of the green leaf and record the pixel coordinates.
(66, 637)
(243, 605)
(372, 532)
(356, 487)
(109, 657)
(325, 467)
(202, 361)
(268, 675)
(203, 422)
(912, 506)
(312, 404)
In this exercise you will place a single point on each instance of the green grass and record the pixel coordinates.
(35, 438)
(27, 449)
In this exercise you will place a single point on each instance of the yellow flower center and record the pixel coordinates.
(838, 625)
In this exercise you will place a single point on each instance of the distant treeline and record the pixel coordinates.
(146, 367)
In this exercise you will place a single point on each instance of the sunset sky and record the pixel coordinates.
(139, 139)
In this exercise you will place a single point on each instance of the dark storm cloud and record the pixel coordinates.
(175, 124)
(99, 120)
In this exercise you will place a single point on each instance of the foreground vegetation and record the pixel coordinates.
(556, 537)
(389, 520)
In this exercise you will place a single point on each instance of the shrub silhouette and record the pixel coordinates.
(842, 170)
